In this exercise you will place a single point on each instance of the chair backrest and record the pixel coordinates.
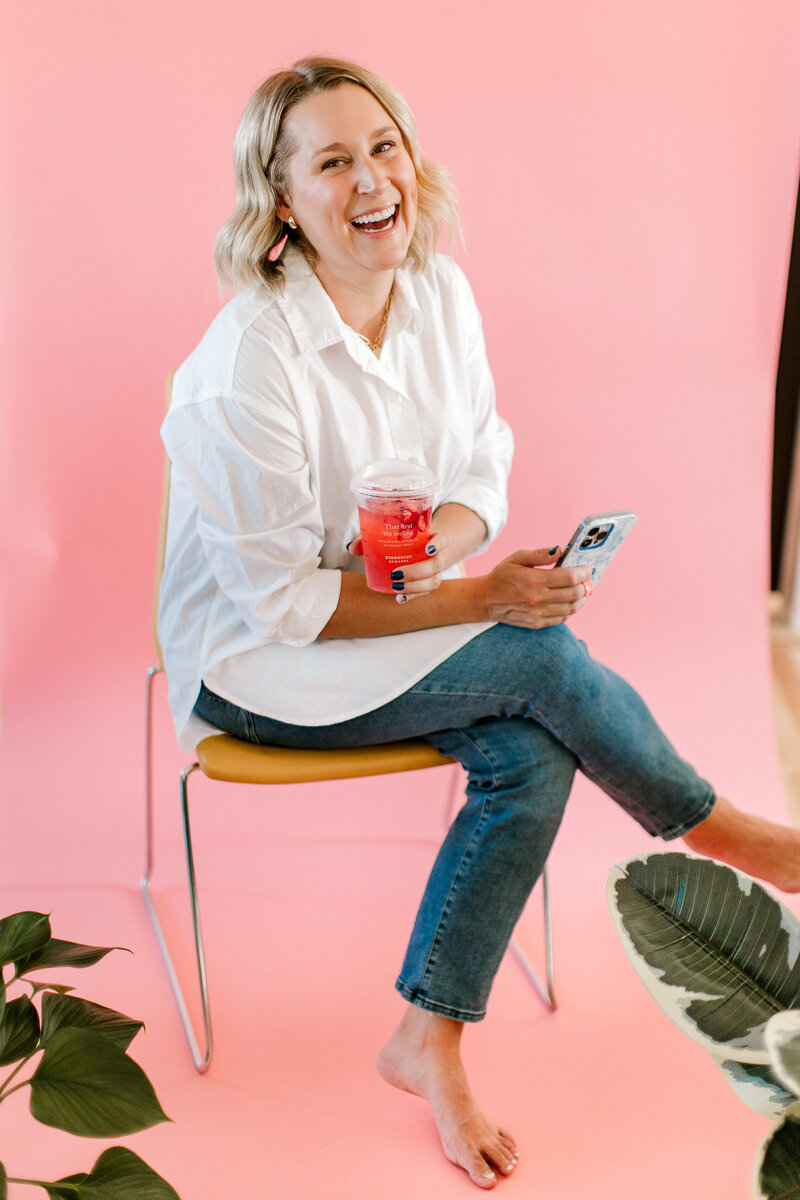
(162, 539)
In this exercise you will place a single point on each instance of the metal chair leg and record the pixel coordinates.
(545, 991)
(148, 766)
(202, 1058)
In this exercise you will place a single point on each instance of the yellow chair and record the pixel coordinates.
(234, 761)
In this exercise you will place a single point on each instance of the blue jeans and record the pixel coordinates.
(520, 709)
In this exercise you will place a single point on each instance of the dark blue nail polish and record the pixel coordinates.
(398, 587)
(430, 548)
(398, 574)
(553, 550)
(349, 544)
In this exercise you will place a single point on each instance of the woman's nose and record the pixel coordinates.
(370, 177)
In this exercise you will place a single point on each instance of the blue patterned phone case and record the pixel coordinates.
(596, 540)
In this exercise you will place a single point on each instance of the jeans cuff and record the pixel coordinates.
(676, 831)
(442, 1010)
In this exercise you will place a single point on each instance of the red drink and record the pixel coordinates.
(395, 500)
(393, 534)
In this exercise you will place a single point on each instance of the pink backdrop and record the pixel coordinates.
(628, 174)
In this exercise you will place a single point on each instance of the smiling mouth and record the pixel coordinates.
(380, 221)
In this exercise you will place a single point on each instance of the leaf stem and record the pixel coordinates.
(16, 1088)
(4, 1088)
(40, 1183)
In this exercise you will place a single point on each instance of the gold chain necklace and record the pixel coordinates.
(375, 346)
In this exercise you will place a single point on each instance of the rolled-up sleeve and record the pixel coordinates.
(485, 487)
(259, 521)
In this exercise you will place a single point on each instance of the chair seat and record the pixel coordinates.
(227, 758)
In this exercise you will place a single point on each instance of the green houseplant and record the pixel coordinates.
(721, 956)
(83, 1080)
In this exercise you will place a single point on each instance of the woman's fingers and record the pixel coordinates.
(522, 591)
(418, 587)
(574, 593)
(565, 577)
(416, 579)
(531, 619)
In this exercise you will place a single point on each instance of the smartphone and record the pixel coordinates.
(596, 540)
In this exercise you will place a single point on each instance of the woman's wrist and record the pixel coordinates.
(464, 528)
(363, 613)
(479, 596)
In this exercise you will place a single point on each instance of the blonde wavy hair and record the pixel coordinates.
(262, 149)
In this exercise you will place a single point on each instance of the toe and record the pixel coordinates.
(508, 1141)
(501, 1157)
(481, 1172)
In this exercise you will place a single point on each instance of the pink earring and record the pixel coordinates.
(277, 249)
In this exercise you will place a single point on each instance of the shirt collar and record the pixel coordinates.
(405, 305)
(312, 316)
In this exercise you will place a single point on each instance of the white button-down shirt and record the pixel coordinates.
(270, 417)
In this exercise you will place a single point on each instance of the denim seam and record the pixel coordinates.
(430, 963)
(444, 1010)
(671, 832)
(226, 715)
(447, 907)
(419, 690)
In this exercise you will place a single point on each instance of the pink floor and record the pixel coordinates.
(308, 898)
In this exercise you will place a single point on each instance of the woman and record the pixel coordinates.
(353, 341)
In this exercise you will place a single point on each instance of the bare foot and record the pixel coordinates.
(423, 1057)
(753, 844)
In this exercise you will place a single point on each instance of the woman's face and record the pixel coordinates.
(352, 188)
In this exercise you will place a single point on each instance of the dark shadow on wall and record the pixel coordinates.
(787, 396)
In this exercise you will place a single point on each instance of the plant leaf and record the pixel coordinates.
(19, 1030)
(59, 1011)
(21, 934)
(777, 1174)
(118, 1174)
(56, 953)
(85, 1084)
(758, 1086)
(62, 988)
(782, 1036)
(64, 1193)
(714, 949)
(3, 1183)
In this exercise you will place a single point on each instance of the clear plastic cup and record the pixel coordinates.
(395, 501)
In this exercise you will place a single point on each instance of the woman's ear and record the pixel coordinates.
(283, 208)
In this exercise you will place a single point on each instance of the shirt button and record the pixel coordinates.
(415, 461)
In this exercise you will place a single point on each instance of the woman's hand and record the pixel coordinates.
(419, 578)
(455, 532)
(524, 590)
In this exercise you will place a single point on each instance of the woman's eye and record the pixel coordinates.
(382, 147)
(332, 162)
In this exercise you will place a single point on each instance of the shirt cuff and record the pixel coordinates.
(313, 602)
(484, 501)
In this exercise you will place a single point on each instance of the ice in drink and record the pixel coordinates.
(395, 501)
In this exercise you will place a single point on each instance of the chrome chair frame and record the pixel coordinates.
(202, 1054)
